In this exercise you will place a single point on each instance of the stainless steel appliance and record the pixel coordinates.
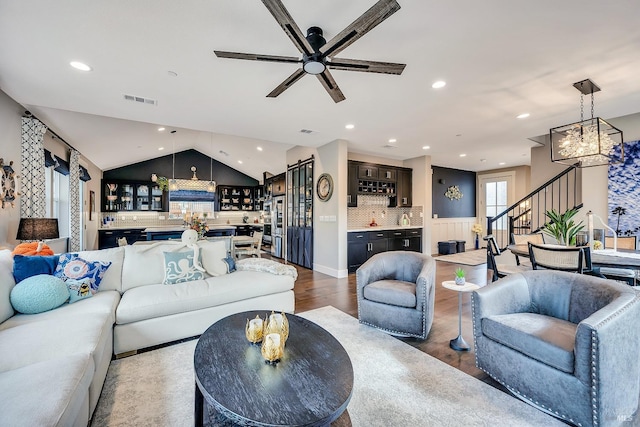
(267, 232)
(278, 231)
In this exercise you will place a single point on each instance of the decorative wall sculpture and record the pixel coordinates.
(8, 184)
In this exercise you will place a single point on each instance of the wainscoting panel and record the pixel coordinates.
(452, 229)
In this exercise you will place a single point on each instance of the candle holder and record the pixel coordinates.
(272, 348)
(277, 323)
(254, 331)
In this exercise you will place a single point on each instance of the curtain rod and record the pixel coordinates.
(55, 135)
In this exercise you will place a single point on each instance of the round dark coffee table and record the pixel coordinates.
(310, 386)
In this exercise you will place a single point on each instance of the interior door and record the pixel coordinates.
(497, 193)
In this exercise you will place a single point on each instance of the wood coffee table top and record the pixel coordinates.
(310, 386)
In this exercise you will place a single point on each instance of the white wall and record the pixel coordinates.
(10, 150)
(422, 176)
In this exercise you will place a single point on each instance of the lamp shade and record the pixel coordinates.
(38, 229)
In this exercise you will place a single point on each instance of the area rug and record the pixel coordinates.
(473, 258)
(394, 385)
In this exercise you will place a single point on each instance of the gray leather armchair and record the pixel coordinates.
(395, 293)
(565, 343)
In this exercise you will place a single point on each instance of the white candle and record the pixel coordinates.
(273, 340)
(255, 325)
(277, 318)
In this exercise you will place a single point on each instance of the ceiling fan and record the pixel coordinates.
(318, 55)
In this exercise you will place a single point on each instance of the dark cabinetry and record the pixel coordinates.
(276, 185)
(363, 245)
(236, 198)
(120, 195)
(109, 238)
(374, 179)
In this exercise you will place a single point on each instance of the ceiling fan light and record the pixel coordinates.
(314, 67)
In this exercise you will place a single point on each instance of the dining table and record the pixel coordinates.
(621, 258)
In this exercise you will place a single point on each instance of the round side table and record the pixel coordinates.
(458, 343)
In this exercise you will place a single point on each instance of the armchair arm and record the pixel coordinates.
(606, 356)
(425, 284)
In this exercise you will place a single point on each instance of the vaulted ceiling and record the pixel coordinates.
(499, 59)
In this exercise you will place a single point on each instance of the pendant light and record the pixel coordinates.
(211, 186)
(173, 184)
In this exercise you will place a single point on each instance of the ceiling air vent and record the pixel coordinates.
(306, 131)
(140, 99)
(389, 146)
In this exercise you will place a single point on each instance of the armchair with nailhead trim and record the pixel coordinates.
(395, 293)
(563, 342)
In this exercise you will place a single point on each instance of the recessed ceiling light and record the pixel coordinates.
(80, 66)
(160, 129)
(523, 116)
(392, 140)
(259, 148)
(463, 155)
(502, 163)
(160, 148)
(349, 126)
(240, 161)
(439, 84)
(425, 147)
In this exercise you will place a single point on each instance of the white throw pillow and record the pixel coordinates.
(212, 255)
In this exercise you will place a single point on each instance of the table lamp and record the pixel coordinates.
(38, 229)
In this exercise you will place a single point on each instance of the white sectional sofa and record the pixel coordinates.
(53, 364)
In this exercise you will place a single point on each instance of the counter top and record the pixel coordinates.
(160, 229)
(383, 228)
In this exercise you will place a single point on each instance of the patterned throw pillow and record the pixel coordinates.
(179, 268)
(71, 266)
(79, 289)
(231, 263)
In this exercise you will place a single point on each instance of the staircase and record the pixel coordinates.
(527, 215)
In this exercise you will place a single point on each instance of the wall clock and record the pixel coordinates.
(324, 188)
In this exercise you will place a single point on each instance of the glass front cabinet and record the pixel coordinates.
(118, 195)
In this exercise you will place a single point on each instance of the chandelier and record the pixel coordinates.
(591, 142)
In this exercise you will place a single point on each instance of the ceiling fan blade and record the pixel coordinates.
(297, 75)
(361, 26)
(255, 57)
(366, 66)
(331, 86)
(289, 26)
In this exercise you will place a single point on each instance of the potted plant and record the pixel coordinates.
(460, 276)
(562, 227)
(163, 183)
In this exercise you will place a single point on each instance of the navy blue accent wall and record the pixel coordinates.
(444, 207)
(162, 166)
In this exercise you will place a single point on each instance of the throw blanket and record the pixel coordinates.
(268, 266)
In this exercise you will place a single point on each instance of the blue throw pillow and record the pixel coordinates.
(178, 268)
(39, 293)
(79, 289)
(71, 266)
(231, 263)
(25, 266)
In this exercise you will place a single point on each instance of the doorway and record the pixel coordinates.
(497, 193)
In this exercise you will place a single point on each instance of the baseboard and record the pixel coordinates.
(330, 271)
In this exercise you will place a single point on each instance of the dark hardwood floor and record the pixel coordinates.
(314, 290)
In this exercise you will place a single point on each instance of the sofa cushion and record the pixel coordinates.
(60, 337)
(543, 338)
(179, 268)
(212, 255)
(7, 282)
(27, 266)
(112, 278)
(392, 292)
(103, 304)
(152, 301)
(40, 293)
(47, 393)
(71, 266)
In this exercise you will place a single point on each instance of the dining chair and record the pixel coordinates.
(253, 248)
(556, 257)
(502, 269)
(523, 239)
(624, 242)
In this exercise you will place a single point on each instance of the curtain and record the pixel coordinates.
(74, 201)
(33, 199)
